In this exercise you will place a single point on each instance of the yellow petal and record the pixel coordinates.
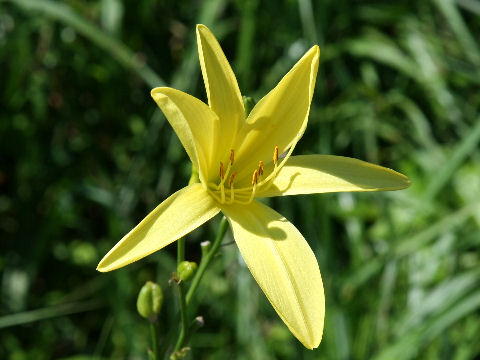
(283, 265)
(194, 123)
(308, 174)
(223, 93)
(181, 213)
(280, 118)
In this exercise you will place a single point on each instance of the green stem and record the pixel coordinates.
(192, 329)
(185, 300)
(181, 291)
(183, 314)
(222, 229)
(154, 333)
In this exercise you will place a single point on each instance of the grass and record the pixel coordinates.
(85, 155)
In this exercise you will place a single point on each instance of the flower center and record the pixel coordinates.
(225, 191)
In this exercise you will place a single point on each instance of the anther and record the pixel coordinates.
(230, 181)
(255, 177)
(222, 171)
(275, 155)
(232, 156)
(260, 168)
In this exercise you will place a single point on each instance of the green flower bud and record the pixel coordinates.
(248, 104)
(186, 270)
(149, 301)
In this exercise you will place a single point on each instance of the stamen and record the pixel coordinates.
(230, 185)
(229, 166)
(260, 168)
(232, 195)
(245, 195)
(275, 155)
(266, 183)
(253, 192)
(255, 177)
(230, 181)
(267, 180)
(222, 171)
(222, 193)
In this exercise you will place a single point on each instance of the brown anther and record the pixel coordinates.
(260, 168)
(255, 177)
(275, 155)
(222, 171)
(230, 181)
(232, 156)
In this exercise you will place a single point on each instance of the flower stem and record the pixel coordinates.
(222, 229)
(183, 314)
(180, 285)
(154, 334)
(185, 300)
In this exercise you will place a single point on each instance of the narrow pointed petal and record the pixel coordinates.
(194, 123)
(284, 266)
(181, 213)
(222, 89)
(280, 118)
(307, 174)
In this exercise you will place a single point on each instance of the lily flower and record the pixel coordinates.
(240, 159)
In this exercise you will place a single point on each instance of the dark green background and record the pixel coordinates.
(85, 155)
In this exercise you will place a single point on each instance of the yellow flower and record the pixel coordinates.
(240, 159)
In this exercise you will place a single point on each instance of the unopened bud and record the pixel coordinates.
(149, 301)
(186, 270)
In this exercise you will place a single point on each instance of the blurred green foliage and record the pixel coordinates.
(85, 154)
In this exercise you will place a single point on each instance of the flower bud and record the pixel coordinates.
(149, 301)
(186, 270)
